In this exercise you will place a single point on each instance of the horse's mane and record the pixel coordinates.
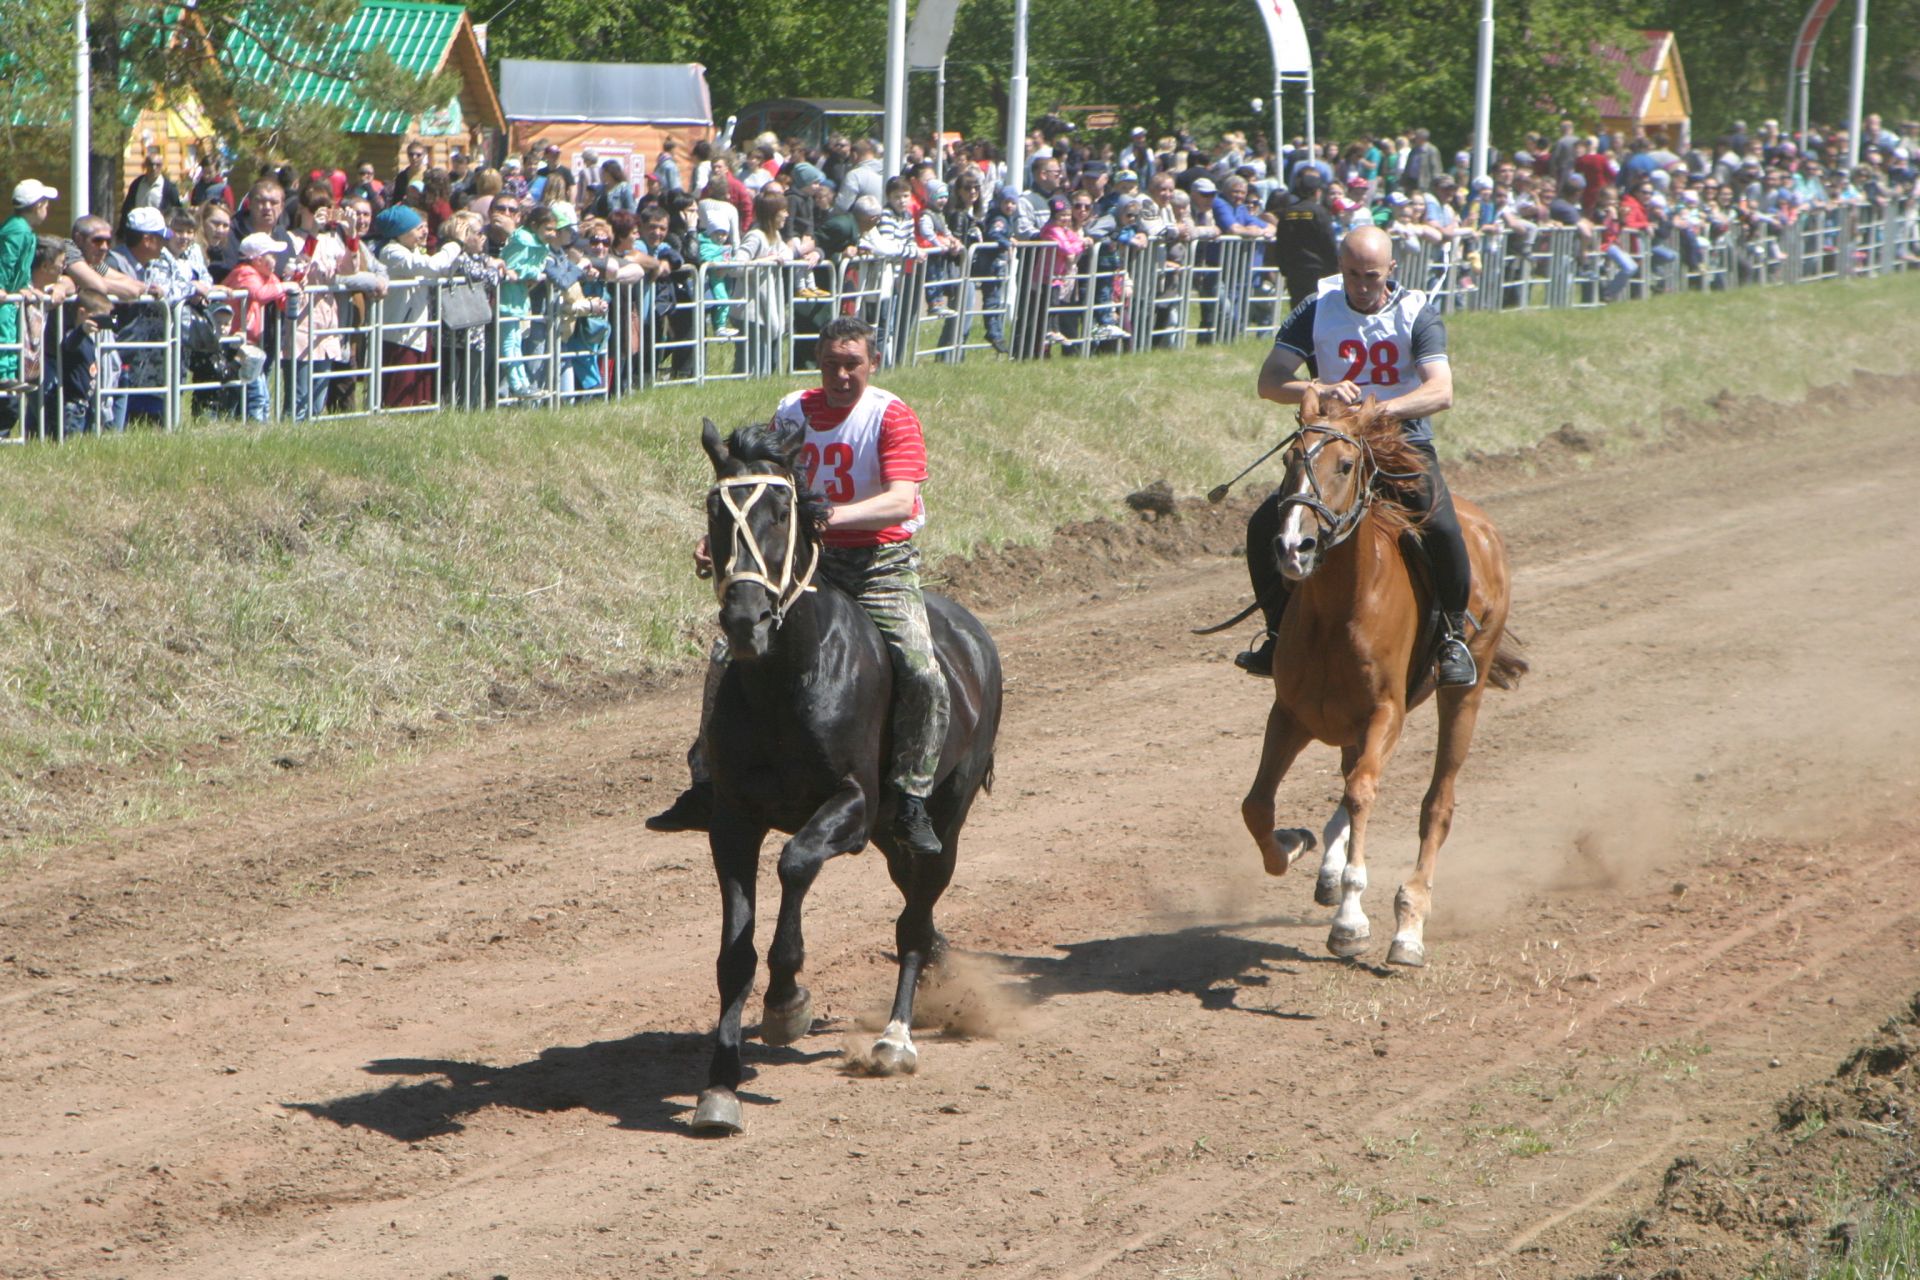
(1399, 464)
(780, 446)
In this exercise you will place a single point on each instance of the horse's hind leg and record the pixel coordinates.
(1283, 743)
(736, 855)
(921, 882)
(1350, 931)
(1459, 708)
(838, 826)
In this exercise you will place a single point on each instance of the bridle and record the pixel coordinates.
(1340, 525)
(788, 589)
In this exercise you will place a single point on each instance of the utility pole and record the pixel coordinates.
(81, 169)
(1483, 94)
(1859, 83)
(896, 130)
(1017, 102)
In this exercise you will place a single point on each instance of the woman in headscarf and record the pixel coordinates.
(409, 318)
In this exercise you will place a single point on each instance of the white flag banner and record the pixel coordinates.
(1288, 38)
(931, 33)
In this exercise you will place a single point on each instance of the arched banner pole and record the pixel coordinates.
(896, 104)
(1017, 102)
(1291, 61)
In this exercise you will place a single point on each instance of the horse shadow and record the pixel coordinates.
(1213, 963)
(634, 1081)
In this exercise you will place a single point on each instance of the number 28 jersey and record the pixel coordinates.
(1379, 353)
(854, 454)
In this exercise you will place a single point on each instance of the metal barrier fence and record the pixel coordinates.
(431, 343)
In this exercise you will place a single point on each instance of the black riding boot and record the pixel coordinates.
(1452, 577)
(691, 811)
(914, 829)
(1269, 587)
(1455, 661)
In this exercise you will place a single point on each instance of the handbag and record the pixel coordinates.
(465, 305)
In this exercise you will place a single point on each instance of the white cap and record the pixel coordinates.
(147, 221)
(260, 245)
(31, 192)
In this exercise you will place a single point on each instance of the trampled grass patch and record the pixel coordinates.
(175, 607)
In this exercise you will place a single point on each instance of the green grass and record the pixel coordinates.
(178, 608)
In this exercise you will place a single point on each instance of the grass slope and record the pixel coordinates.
(176, 608)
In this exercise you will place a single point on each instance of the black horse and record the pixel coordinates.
(799, 740)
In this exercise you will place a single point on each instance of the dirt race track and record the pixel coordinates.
(447, 1020)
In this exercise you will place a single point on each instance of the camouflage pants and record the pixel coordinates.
(886, 582)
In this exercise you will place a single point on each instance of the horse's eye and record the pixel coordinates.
(1346, 466)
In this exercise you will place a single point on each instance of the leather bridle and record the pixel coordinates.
(1338, 526)
(788, 589)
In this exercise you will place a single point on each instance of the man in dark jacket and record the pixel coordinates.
(152, 189)
(1303, 241)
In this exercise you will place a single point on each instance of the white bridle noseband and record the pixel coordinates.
(788, 588)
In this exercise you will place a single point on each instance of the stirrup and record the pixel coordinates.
(1454, 666)
(1258, 661)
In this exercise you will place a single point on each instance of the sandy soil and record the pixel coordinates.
(447, 1020)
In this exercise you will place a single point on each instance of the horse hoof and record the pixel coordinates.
(1326, 891)
(1348, 943)
(1408, 952)
(718, 1113)
(782, 1026)
(890, 1058)
(1291, 843)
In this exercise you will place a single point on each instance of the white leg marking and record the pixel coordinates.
(1334, 838)
(893, 1052)
(1351, 919)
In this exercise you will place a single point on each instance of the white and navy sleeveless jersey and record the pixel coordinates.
(1379, 353)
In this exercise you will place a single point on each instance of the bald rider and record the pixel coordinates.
(1361, 334)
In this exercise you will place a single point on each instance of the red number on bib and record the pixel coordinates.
(1386, 364)
(1356, 352)
(839, 460)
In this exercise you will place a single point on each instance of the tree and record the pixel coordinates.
(144, 52)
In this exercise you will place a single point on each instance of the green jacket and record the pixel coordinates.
(525, 254)
(18, 241)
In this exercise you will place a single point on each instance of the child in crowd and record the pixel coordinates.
(936, 239)
(255, 275)
(80, 365)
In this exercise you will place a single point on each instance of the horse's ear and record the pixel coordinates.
(1309, 404)
(716, 447)
(789, 438)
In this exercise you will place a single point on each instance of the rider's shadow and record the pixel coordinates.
(1212, 963)
(633, 1080)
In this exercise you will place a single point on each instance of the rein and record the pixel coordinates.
(1339, 525)
(788, 589)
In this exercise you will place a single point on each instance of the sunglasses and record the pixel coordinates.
(599, 240)
(506, 208)
(99, 239)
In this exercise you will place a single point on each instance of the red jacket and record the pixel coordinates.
(263, 290)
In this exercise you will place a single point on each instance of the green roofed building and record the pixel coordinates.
(418, 40)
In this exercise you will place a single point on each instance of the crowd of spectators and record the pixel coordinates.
(271, 283)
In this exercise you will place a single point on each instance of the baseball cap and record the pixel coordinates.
(552, 149)
(260, 245)
(510, 165)
(31, 192)
(1126, 175)
(1486, 184)
(146, 220)
(1358, 183)
(1093, 166)
(1397, 199)
(1139, 131)
(1311, 179)
(1203, 187)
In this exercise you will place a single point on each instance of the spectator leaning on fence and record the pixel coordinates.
(407, 341)
(335, 256)
(18, 242)
(255, 276)
(144, 330)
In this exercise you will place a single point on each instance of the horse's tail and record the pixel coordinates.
(1509, 663)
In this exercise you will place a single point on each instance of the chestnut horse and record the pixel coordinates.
(1353, 655)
